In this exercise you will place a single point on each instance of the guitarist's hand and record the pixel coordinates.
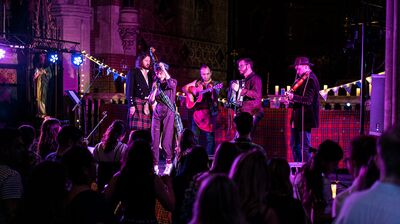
(235, 86)
(132, 111)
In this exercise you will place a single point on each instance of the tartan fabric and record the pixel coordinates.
(163, 216)
(139, 120)
(273, 131)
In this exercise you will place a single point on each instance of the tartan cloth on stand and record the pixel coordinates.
(139, 120)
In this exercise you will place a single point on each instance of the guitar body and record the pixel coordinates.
(193, 96)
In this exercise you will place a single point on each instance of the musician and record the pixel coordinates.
(138, 86)
(252, 91)
(162, 124)
(205, 112)
(305, 114)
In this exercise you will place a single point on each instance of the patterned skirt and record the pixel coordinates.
(139, 120)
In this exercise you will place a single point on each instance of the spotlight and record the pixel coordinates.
(53, 58)
(77, 59)
(2, 53)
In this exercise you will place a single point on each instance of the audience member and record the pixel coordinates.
(83, 204)
(250, 173)
(312, 184)
(48, 137)
(361, 165)
(380, 203)
(11, 187)
(135, 188)
(244, 125)
(186, 143)
(217, 202)
(142, 134)
(280, 196)
(195, 163)
(68, 137)
(44, 201)
(109, 152)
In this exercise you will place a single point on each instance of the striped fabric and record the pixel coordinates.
(10, 183)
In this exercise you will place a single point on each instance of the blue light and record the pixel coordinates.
(53, 58)
(77, 59)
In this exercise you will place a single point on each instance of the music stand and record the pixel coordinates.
(74, 98)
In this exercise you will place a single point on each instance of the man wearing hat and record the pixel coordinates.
(304, 98)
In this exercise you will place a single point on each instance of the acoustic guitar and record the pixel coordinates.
(195, 94)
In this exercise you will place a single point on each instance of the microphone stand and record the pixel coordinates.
(85, 92)
(98, 124)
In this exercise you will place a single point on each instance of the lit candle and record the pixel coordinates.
(124, 87)
(333, 188)
(287, 88)
(325, 87)
(276, 90)
(358, 92)
(347, 93)
(370, 89)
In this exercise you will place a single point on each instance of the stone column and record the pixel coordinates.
(74, 22)
(128, 29)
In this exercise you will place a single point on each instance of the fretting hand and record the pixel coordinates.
(235, 86)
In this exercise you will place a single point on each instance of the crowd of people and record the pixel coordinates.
(55, 178)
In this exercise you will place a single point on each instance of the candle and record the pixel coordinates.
(287, 88)
(276, 90)
(333, 188)
(347, 93)
(325, 87)
(370, 89)
(358, 92)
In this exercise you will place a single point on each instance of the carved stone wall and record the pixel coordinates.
(186, 34)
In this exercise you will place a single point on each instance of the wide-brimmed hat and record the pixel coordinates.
(302, 61)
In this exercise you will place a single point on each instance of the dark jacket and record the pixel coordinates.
(136, 86)
(310, 101)
(252, 94)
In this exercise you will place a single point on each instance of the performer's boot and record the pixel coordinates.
(168, 168)
(156, 170)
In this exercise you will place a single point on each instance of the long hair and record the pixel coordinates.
(225, 154)
(250, 173)
(186, 140)
(110, 138)
(217, 202)
(280, 177)
(328, 151)
(48, 136)
(139, 59)
(137, 169)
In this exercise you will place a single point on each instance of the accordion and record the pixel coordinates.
(234, 97)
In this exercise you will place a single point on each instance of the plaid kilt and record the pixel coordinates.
(139, 120)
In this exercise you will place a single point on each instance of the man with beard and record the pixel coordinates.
(138, 86)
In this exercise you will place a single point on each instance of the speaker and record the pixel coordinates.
(377, 105)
